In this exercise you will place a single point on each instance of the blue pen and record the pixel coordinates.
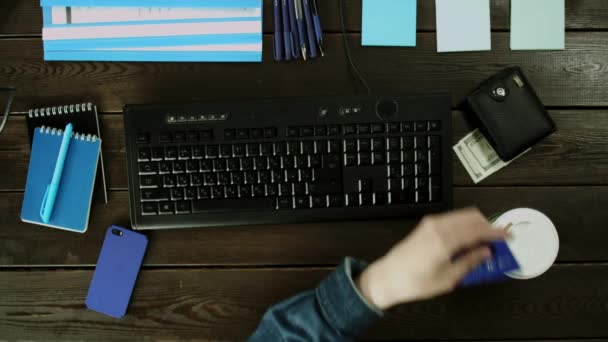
(301, 27)
(46, 209)
(318, 29)
(294, 29)
(287, 39)
(278, 34)
(310, 30)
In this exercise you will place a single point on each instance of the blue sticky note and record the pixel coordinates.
(389, 23)
(538, 24)
(463, 25)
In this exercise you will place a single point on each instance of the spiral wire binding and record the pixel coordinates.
(76, 136)
(60, 110)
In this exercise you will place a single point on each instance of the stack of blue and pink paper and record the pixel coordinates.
(152, 30)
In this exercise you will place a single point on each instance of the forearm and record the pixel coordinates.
(334, 311)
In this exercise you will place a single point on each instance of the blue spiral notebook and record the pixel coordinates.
(73, 201)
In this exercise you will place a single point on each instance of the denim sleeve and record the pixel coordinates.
(334, 311)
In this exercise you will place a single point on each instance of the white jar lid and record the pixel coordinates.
(534, 244)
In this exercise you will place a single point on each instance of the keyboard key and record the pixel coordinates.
(272, 190)
(247, 164)
(352, 199)
(394, 157)
(285, 189)
(293, 147)
(434, 141)
(320, 131)
(143, 154)
(206, 135)
(179, 137)
(165, 137)
(192, 136)
(223, 178)
(260, 163)
(320, 175)
(365, 158)
(299, 189)
(402, 197)
(377, 128)
(420, 126)
(407, 143)
(408, 156)
(316, 161)
(393, 127)
(365, 185)
(245, 191)
(319, 201)
(363, 129)
(198, 152)
(333, 146)
(217, 192)
(334, 130)
(170, 153)
(267, 149)
(147, 182)
(192, 166)
(149, 208)
(266, 177)
(229, 134)
(422, 169)
(408, 169)
(210, 178)
(324, 188)
(364, 145)
(204, 192)
(350, 159)
(420, 143)
(253, 149)
(349, 129)
(394, 171)
(422, 196)
(308, 147)
(302, 202)
(395, 184)
(293, 131)
(292, 175)
(366, 199)
(378, 158)
(257, 133)
(212, 151)
(182, 207)
(196, 179)
(393, 144)
(154, 195)
(148, 168)
(158, 153)
(407, 126)
(206, 165)
(177, 194)
(179, 167)
(142, 138)
(377, 144)
(226, 151)
(233, 164)
(259, 190)
(240, 150)
(169, 181)
(166, 208)
(183, 180)
(380, 198)
(280, 148)
(242, 133)
(219, 164)
(421, 156)
(302, 162)
(335, 201)
(165, 167)
(237, 178)
(306, 131)
(270, 132)
(251, 177)
(435, 125)
(274, 162)
(288, 162)
(232, 191)
(284, 203)
(350, 145)
(231, 205)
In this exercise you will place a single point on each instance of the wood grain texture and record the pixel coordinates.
(583, 233)
(23, 17)
(574, 77)
(200, 305)
(576, 154)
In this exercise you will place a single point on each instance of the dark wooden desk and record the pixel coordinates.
(215, 284)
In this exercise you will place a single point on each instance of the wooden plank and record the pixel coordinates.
(582, 233)
(574, 77)
(24, 17)
(576, 154)
(199, 305)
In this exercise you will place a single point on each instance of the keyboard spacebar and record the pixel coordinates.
(228, 205)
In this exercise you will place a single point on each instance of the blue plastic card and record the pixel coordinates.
(389, 23)
(119, 262)
(493, 269)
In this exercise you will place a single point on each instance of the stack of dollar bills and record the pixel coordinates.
(478, 157)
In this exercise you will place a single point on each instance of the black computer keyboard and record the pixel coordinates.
(288, 160)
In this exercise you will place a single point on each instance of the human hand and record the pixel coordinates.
(423, 266)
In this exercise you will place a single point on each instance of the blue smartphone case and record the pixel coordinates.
(114, 278)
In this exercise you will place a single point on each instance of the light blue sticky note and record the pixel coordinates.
(389, 23)
(463, 25)
(538, 24)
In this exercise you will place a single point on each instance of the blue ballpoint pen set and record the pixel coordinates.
(298, 33)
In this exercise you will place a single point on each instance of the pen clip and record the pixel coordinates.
(43, 205)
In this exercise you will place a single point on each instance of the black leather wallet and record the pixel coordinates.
(511, 116)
